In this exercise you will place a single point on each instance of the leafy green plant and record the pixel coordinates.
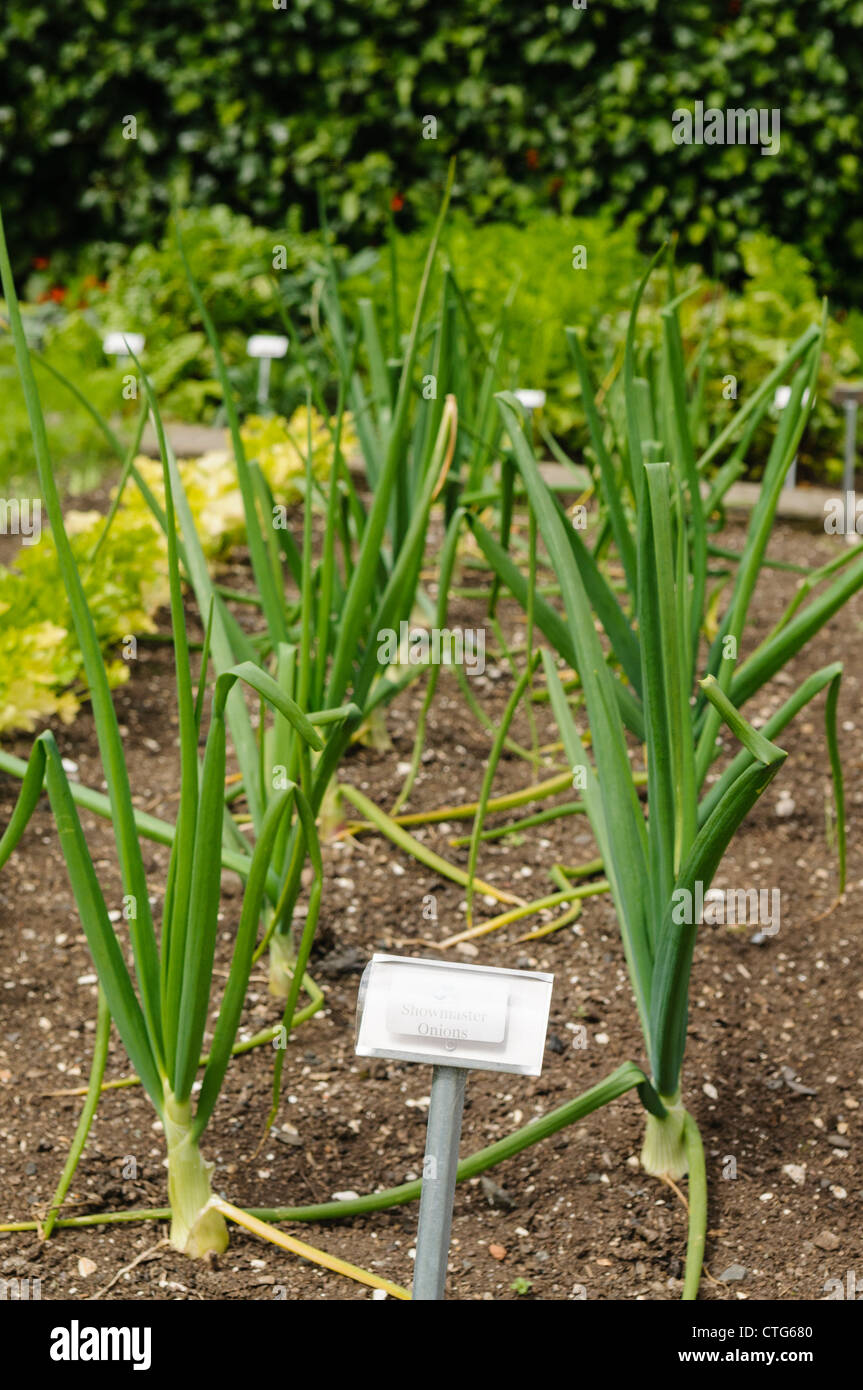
(41, 667)
(161, 1005)
(162, 1016)
(654, 514)
(737, 336)
(70, 343)
(744, 335)
(124, 565)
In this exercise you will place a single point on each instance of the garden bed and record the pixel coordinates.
(575, 1215)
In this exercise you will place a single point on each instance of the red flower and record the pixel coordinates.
(58, 294)
(40, 262)
(531, 158)
(397, 202)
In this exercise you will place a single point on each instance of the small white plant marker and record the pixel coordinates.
(118, 345)
(531, 400)
(266, 347)
(460, 1018)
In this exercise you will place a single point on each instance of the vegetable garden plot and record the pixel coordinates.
(639, 684)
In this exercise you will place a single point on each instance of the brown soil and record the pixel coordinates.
(774, 1069)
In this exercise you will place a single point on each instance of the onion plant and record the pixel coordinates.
(647, 862)
(656, 417)
(667, 672)
(322, 645)
(161, 1005)
(642, 679)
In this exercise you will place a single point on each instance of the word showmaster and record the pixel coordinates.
(445, 1021)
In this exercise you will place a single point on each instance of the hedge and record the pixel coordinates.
(244, 102)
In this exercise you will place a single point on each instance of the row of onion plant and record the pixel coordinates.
(664, 675)
(161, 1004)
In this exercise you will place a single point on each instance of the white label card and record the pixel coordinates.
(476, 1016)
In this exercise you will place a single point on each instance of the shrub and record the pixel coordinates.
(550, 107)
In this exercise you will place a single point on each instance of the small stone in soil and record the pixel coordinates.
(827, 1240)
(790, 1079)
(732, 1274)
(497, 1252)
(287, 1135)
(796, 1172)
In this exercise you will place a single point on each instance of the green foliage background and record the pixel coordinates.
(546, 105)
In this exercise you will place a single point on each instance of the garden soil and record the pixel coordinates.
(773, 1071)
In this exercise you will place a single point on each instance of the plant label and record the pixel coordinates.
(118, 344)
(531, 400)
(455, 1015)
(267, 345)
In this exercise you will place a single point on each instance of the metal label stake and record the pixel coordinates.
(438, 1189)
(459, 1018)
(849, 394)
